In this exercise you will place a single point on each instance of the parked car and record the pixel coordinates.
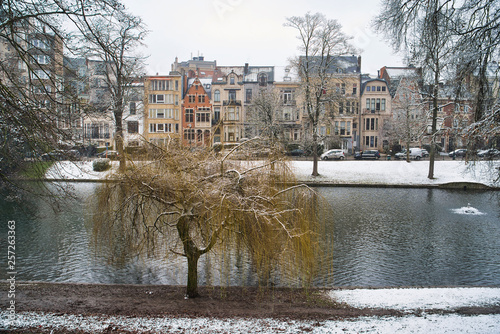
(108, 154)
(461, 152)
(415, 153)
(333, 154)
(489, 153)
(61, 155)
(370, 154)
(400, 155)
(296, 153)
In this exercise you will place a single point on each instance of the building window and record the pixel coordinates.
(287, 96)
(152, 128)
(216, 114)
(201, 98)
(383, 88)
(189, 116)
(232, 95)
(41, 59)
(354, 89)
(231, 80)
(133, 127)
(37, 43)
(189, 134)
(262, 79)
(379, 88)
(248, 95)
(382, 104)
(192, 98)
(217, 95)
(368, 88)
(377, 107)
(133, 108)
(156, 98)
(158, 84)
(341, 107)
(233, 114)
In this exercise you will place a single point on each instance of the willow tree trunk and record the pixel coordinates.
(192, 253)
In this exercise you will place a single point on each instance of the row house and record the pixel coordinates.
(197, 116)
(98, 119)
(133, 114)
(375, 117)
(291, 118)
(227, 102)
(341, 104)
(162, 108)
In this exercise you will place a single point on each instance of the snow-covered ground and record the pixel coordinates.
(343, 172)
(415, 302)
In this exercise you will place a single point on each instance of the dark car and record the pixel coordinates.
(58, 155)
(370, 154)
(108, 154)
(461, 152)
(357, 155)
(296, 153)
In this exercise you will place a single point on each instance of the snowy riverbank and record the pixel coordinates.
(392, 173)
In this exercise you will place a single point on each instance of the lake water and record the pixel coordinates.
(381, 237)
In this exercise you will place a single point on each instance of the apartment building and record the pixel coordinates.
(162, 108)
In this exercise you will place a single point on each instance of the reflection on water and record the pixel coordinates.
(412, 237)
(376, 237)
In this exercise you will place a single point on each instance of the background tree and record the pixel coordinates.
(266, 114)
(113, 40)
(409, 114)
(200, 201)
(422, 28)
(321, 40)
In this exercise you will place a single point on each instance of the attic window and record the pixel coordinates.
(262, 79)
(231, 80)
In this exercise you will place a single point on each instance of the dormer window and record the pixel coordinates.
(262, 79)
(231, 80)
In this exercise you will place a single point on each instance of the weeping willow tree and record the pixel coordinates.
(201, 201)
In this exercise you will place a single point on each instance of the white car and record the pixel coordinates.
(415, 153)
(333, 154)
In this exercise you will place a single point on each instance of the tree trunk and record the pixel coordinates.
(192, 254)
(192, 281)
(315, 155)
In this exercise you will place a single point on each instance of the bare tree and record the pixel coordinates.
(113, 40)
(423, 29)
(478, 33)
(265, 115)
(321, 40)
(200, 201)
(32, 37)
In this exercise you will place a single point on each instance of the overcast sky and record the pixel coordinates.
(235, 32)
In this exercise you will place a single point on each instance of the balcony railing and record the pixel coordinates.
(231, 103)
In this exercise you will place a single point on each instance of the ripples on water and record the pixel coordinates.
(375, 237)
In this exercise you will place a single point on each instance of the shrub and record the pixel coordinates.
(100, 165)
